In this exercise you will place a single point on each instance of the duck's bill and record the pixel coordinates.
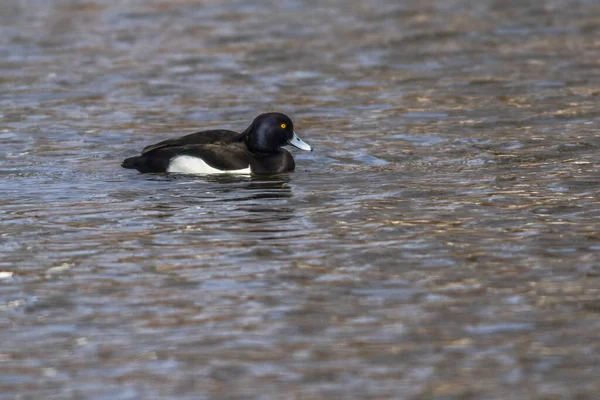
(299, 143)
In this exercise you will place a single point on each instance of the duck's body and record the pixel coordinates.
(220, 157)
(256, 150)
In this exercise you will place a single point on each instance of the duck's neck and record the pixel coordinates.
(240, 138)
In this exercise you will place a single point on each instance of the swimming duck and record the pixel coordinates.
(257, 150)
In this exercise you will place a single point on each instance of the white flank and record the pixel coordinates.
(194, 165)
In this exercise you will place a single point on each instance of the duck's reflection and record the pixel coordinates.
(239, 200)
(255, 188)
(263, 200)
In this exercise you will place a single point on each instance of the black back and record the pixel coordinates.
(204, 137)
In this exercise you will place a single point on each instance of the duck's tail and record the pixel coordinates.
(131, 162)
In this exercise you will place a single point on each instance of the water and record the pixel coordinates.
(440, 242)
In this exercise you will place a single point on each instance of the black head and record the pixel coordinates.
(269, 132)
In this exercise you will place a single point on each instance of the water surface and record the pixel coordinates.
(440, 242)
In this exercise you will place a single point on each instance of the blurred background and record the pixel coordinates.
(441, 242)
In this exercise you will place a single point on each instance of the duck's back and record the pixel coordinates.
(204, 137)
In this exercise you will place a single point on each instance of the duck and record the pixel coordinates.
(256, 150)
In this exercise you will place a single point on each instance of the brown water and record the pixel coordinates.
(441, 242)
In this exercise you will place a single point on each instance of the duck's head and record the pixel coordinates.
(271, 131)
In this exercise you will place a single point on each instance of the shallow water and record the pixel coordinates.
(442, 241)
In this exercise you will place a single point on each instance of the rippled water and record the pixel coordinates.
(442, 241)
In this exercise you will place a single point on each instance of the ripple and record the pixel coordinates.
(445, 221)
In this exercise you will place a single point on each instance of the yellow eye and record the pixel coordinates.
(283, 126)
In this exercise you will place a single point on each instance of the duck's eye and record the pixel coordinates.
(283, 126)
